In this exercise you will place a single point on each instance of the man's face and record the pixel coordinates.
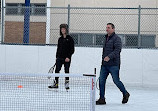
(63, 30)
(109, 29)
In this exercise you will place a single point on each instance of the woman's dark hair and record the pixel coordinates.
(64, 26)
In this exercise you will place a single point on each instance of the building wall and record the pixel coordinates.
(14, 26)
(21, 18)
(23, 1)
(106, 3)
(80, 23)
(95, 3)
(125, 24)
(14, 32)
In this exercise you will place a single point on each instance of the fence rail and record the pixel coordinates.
(137, 27)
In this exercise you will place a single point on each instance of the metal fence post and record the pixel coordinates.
(68, 20)
(26, 22)
(2, 21)
(139, 19)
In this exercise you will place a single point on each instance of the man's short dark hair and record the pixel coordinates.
(112, 25)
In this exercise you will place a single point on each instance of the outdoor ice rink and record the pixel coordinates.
(35, 96)
(29, 39)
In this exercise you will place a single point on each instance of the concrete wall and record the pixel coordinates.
(96, 3)
(106, 3)
(87, 21)
(139, 67)
(21, 18)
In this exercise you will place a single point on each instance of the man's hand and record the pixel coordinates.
(67, 60)
(106, 59)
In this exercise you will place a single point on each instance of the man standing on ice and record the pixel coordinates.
(111, 64)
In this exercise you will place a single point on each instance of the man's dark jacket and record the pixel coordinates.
(112, 48)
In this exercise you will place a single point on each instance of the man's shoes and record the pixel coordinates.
(100, 101)
(125, 98)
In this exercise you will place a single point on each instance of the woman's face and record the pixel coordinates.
(63, 31)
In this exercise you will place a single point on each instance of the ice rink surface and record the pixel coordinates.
(35, 96)
(141, 99)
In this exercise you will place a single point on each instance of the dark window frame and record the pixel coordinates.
(35, 9)
(127, 39)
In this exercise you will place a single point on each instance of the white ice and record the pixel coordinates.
(35, 96)
(141, 99)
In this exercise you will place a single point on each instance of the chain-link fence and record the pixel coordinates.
(39, 25)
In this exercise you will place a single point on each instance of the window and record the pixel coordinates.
(83, 39)
(100, 39)
(86, 39)
(131, 40)
(39, 9)
(12, 9)
(19, 9)
(23, 9)
(128, 40)
(75, 38)
(148, 40)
